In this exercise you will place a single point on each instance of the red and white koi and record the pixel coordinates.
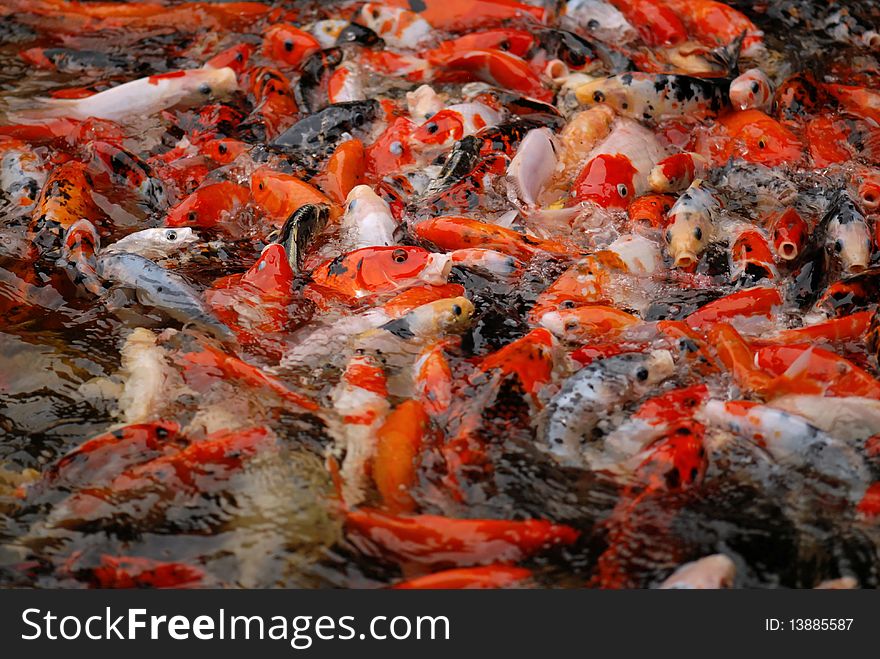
(617, 168)
(751, 89)
(361, 401)
(677, 172)
(140, 98)
(398, 27)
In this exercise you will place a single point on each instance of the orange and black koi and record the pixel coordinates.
(66, 197)
(128, 171)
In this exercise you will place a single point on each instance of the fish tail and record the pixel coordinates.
(728, 56)
(46, 108)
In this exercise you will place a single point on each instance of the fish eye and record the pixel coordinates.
(567, 304)
(162, 433)
(504, 45)
(838, 246)
(571, 325)
(192, 216)
(592, 24)
(288, 45)
(598, 96)
(239, 57)
(456, 309)
(669, 235)
(698, 233)
(171, 235)
(756, 87)
(432, 127)
(260, 185)
(358, 119)
(642, 374)
(205, 88)
(375, 13)
(399, 255)
(221, 148)
(622, 190)
(762, 143)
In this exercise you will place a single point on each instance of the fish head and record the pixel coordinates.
(609, 91)
(197, 86)
(271, 274)
(288, 45)
(361, 201)
(388, 268)
(765, 141)
(441, 128)
(235, 57)
(608, 180)
(687, 237)
(224, 150)
(677, 460)
(851, 242)
(176, 238)
(451, 315)
(751, 90)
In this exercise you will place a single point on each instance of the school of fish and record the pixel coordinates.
(440, 294)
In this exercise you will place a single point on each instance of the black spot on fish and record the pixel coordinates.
(337, 266)
(399, 328)
(417, 6)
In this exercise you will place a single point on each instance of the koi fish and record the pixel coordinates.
(374, 270)
(65, 198)
(398, 445)
(209, 206)
(691, 226)
(361, 400)
(299, 230)
(159, 288)
(844, 230)
(288, 45)
(368, 220)
(22, 173)
(751, 89)
(487, 576)
(708, 573)
(533, 165)
(453, 233)
(431, 539)
(398, 27)
(618, 168)
(790, 439)
(139, 98)
(573, 415)
(154, 243)
(656, 97)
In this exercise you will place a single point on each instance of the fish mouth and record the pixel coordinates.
(871, 39)
(856, 268)
(556, 69)
(437, 270)
(787, 250)
(685, 260)
(553, 321)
